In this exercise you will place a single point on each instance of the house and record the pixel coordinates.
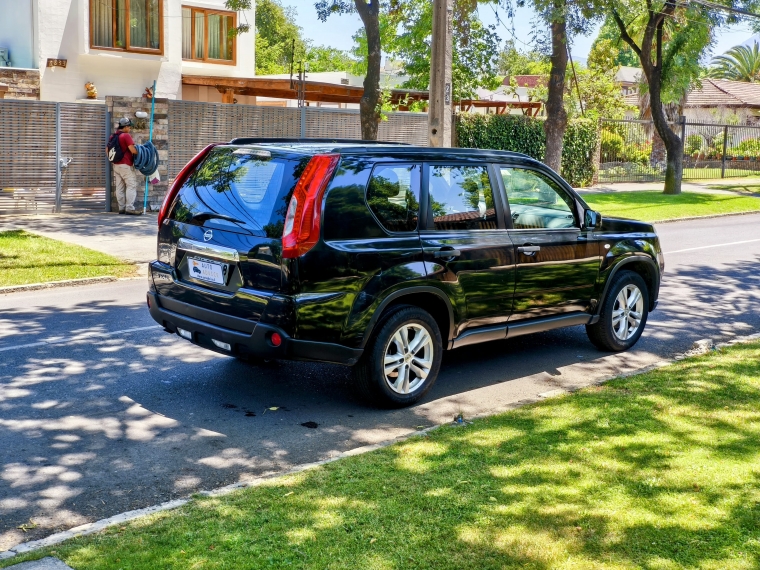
(54, 47)
(628, 78)
(716, 101)
(721, 101)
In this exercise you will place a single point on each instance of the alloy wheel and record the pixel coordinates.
(408, 358)
(627, 312)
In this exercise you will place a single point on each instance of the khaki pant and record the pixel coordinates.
(126, 186)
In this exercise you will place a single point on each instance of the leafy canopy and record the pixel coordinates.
(740, 63)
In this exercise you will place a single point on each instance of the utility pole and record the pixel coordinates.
(439, 113)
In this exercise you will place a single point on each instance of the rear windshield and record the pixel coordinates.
(241, 188)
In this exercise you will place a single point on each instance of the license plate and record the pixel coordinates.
(207, 270)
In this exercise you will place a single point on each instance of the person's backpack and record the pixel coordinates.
(115, 154)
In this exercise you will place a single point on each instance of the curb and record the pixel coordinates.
(52, 284)
(708, 217)
(699, 347)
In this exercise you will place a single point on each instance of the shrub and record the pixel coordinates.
(748, 147)
(526, 135)
(693, 144)
(612, 146)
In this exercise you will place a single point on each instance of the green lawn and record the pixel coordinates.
(655, 206)
(658, 471)
(29, 258)
(690, 174)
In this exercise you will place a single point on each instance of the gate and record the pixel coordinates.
(51, 157)
(631, 151)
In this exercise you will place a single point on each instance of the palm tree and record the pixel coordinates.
(740, 63)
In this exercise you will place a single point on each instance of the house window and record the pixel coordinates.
(206, 35)
(131, 25)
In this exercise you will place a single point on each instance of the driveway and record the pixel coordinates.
(102, 412)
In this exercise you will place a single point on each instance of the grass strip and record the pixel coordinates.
(658, 471)
(653, 206)
(30, 258)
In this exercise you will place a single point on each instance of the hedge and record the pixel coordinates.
(518, 133)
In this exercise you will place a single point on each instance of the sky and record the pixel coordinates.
(337, 31)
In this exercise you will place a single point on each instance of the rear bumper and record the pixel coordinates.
(258, 343)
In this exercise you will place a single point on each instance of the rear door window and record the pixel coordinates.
(461, 198)
(393, 195)
(239, 188)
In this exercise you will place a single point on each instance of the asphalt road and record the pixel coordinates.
(101, 412)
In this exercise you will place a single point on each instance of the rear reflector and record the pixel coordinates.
(184, 334)
(222, 345)
(179, 181)
(303, 218)
(276, 339)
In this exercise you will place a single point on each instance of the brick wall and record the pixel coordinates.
(22, 83)
(127, 107)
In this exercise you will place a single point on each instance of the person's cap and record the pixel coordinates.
(125, 122)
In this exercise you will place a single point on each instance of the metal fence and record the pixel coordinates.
(51, 156)
(631, 151)
(194, 125)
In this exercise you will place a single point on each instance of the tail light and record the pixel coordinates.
(180, 180)
(304, 215)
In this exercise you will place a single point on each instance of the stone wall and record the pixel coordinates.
(127, 107)
(22, 83)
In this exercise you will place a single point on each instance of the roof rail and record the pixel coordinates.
(256, 140)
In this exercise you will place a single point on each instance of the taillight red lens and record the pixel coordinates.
(276, 339)
(304, 215)
(179, 181)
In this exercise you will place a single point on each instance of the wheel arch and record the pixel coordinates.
(431, 299)
(645, 267)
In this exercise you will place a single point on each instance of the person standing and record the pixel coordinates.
(124, 172)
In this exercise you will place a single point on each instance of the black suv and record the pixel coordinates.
(382, 256)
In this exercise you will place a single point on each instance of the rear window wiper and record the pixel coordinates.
(203, 216)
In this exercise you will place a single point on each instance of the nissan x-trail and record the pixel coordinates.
(382, 256)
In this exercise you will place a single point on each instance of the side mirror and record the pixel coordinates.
(592, 219)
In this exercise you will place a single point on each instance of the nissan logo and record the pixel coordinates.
(208, 235)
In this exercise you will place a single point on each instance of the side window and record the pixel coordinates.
(536, 202)
(461, 198)
(393, 196)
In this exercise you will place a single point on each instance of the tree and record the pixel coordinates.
(475, 47)
(323, 58)
(740, 63)
(668, 38)
(562, 16)
(512, 61)
(610, 36)
(369, 12)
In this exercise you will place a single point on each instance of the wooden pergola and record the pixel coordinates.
(317, 92)
(285, 89)
(529, 108)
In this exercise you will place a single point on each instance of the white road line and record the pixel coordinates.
(709, 246)
(74, 338)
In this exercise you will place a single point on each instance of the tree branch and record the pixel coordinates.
(624, 33)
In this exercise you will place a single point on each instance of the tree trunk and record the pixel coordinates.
(556, 116)
(369, 104)
(673, 143)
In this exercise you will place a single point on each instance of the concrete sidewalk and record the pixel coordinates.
(743, 186)
(131, 238)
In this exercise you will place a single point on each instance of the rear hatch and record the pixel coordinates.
(224, 234)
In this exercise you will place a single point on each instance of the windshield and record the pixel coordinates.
(240, 188)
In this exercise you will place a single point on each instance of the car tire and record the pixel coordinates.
(413, 335)
(624, 313)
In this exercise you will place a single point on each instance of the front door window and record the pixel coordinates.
(535, 202)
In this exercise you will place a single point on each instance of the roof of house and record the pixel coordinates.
(626, 74)
(724, 93)
(530, 81)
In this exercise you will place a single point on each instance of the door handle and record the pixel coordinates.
(529, 250)
(447, 253)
